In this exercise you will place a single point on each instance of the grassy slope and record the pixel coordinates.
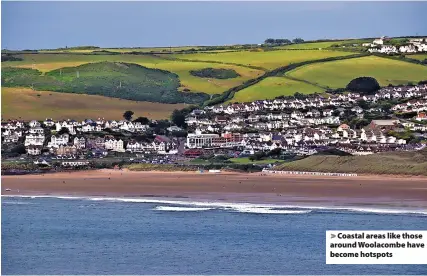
(336, 74)
(48, 62)
(24, 103)
(210, 86)
(314, 45)
(417, 56)
(245, 160)
(103, 78)
(272, 87)
(124, 50)
(411, 163)
(268, 60)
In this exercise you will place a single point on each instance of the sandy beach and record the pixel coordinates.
(386, 191)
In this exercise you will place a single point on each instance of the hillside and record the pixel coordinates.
(204, 74)
(405, 163)
(265, 59)
(45, 62)
(272, 87)
(118, 80)
(29, 105)
(337, 74)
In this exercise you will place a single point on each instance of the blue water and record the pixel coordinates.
(78, 236)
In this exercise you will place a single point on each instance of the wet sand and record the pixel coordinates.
(387, 191)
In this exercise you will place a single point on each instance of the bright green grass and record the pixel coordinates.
(245, 160)
(268, 60)
(272, 87)
(210, 86)
(314, 45)
(49, 62)
(152, 49)
(337, 74)
(417, 56)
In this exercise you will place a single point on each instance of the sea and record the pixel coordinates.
(78, 235)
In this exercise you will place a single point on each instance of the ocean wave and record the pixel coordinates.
(255, 210)
(181, 209)
(15, 203)
(240, 207)
(385, 211)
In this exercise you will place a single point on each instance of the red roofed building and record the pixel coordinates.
(422, 116)
(193, 153)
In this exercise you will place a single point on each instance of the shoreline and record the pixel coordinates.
(191, 204)
(257, 188)
(307, 174)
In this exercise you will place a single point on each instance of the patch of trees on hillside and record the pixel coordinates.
(9, 57)
(215, 73)
(363, 85)
(283, 41)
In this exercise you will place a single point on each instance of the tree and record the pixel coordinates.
(178, 118)
(363, 104)
(128, 115)
(257, 156)
(19, 149)
(298, 40)
(269, 41)
(275, 152)
(364, 85)
(299, 96)
(142, 120)
(63, 130)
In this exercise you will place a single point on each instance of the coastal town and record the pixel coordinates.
(382, 45)
(392, 119)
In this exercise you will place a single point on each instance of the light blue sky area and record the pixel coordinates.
(39, 25)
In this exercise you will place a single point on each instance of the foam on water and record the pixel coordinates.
(255, 210)
(181, 209)
(239, 207)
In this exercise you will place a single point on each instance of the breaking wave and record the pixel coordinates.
(181, 209)
(182, 205)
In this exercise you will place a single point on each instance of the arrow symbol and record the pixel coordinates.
(333, 236)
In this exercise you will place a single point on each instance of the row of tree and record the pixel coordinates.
(283, 41)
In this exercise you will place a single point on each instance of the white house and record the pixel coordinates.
(378, 41)
(80, 143)
(34, 123)
(67, 125)
(49, 122)
(33, 150)
(34, 139)
(36, 130)
(56, 141)
(114, 145)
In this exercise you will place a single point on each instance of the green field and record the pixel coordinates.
(205, 85)
(246, 160)
(272, 87)
(417, 56)
(268, 60)
(118, 80)
(314, 45)
(337, 74)
(49, 62)
(27, 104)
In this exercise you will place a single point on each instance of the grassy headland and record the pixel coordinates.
(399, 163)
